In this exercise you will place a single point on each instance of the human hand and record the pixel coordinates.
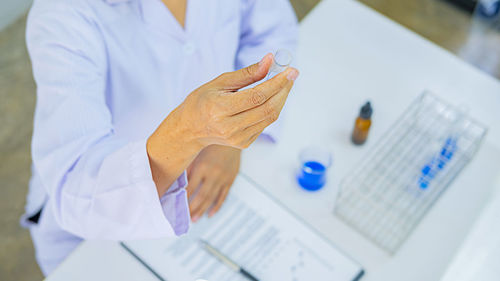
(217, 113)
(210, 177)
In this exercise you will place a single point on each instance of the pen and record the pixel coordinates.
(141, 261)
(231, 264)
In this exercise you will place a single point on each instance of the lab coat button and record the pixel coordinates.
(189, 48)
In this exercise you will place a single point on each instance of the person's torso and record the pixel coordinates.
(153, 63)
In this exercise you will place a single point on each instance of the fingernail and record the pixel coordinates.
(195, 218)
(293, 74)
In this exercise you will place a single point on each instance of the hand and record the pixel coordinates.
(217, 113)
(210, 177)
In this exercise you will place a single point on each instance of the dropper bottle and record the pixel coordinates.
(362, 124)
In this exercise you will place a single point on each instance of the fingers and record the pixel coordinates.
(260, 94)
(238, 79)
(253, 138)
(269, 111)
(254, 132)
(220, 199)
(194, 182)
(277, 102)
(203, 200)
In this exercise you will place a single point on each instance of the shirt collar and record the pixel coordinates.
(157, 16)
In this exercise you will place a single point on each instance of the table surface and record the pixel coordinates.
(347, 54)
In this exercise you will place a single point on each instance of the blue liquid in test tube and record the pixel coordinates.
(437, 163)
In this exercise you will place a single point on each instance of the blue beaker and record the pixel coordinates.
(314, 164)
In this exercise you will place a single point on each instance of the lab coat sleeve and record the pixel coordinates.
(266, 26)
(99, 185)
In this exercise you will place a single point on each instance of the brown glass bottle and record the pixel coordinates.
(362, 125)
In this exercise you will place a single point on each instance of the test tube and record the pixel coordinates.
(281, 60)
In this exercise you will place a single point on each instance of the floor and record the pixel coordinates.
(433, 19)
(16, 116)
(449, 27)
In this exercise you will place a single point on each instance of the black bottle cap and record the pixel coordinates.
(366, 111)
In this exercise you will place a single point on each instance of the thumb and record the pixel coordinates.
(241, 78)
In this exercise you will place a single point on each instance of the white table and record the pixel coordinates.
(348, 54)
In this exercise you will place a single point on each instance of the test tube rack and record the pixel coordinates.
(386, 195)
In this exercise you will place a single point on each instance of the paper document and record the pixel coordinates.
(258, 234)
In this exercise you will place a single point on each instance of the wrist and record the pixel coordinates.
(170, 149)
(171, 138)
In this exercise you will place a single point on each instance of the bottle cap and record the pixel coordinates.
(366, 111)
